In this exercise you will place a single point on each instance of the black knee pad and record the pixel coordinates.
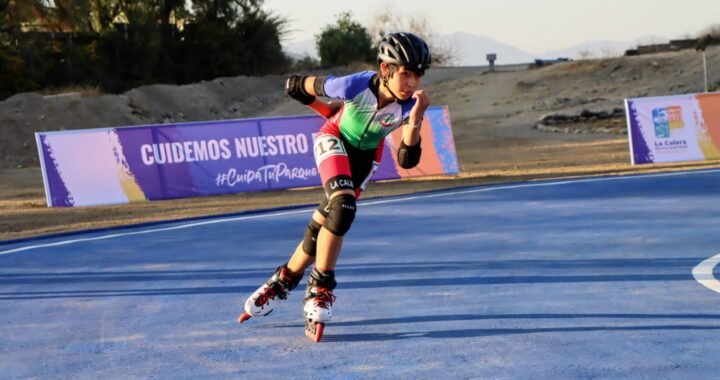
(342, 214)
(309, 244)
(324, 207)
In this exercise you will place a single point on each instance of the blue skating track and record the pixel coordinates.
(611, 277)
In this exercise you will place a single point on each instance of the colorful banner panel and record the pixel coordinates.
(674, 128)
(130, 164)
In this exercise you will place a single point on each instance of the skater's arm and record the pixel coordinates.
(408, 154)
(325, 109)
(306, 89)
(411, 130)
(315, 85)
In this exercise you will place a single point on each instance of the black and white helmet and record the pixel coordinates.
(405, 49)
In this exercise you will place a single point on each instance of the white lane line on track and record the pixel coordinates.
(180, 227)
(526, 185)
(364, 203)
(703, 273)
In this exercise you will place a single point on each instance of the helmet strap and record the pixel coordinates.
(385, 83)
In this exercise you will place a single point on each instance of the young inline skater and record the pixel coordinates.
(348, 149)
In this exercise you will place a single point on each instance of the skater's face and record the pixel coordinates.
(402, 82)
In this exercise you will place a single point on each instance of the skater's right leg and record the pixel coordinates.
(275, 290)
(286, 277)
(306, 251)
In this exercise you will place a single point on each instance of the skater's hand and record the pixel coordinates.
(422, 102)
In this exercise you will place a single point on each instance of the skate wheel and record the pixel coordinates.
(314, 330)
(244, 317)
(319, 327)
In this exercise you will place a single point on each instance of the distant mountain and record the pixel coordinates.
(472, 50)
(593, 49)
(651, 40)
(301, 49)
(601, 49)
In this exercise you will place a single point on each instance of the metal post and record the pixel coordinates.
(491, 58)
(705, 70)
(702, 44)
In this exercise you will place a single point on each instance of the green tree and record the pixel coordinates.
(260, 34)
(344, 43)
(224, 11)
(120, 44)
(15, 13)
(24, 62)
(233, 37)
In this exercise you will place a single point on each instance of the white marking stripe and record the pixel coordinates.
(703, 273)
(525, 185)
(183, 226)
(368, 203)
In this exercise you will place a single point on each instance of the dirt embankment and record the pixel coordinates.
(493, 117)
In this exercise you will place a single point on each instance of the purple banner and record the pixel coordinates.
(120, 165)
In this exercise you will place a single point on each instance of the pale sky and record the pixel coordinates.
(531, 25)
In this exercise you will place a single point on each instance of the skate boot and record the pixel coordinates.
(275, 290)
(318, 302)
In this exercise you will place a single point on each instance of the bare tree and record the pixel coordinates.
(609, 52)
(388, 20)
(585, 54)
(712, 30)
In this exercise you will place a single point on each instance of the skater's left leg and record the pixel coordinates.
(331, 245)
(321, 283)
(319, 295)
(318, 302)
(342, 208)
(338, 176)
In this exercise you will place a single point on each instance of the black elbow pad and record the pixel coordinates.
(408, 156)
(319, 85)
(295, 89)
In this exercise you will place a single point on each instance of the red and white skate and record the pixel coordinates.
(318, 310)
(274, 291)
